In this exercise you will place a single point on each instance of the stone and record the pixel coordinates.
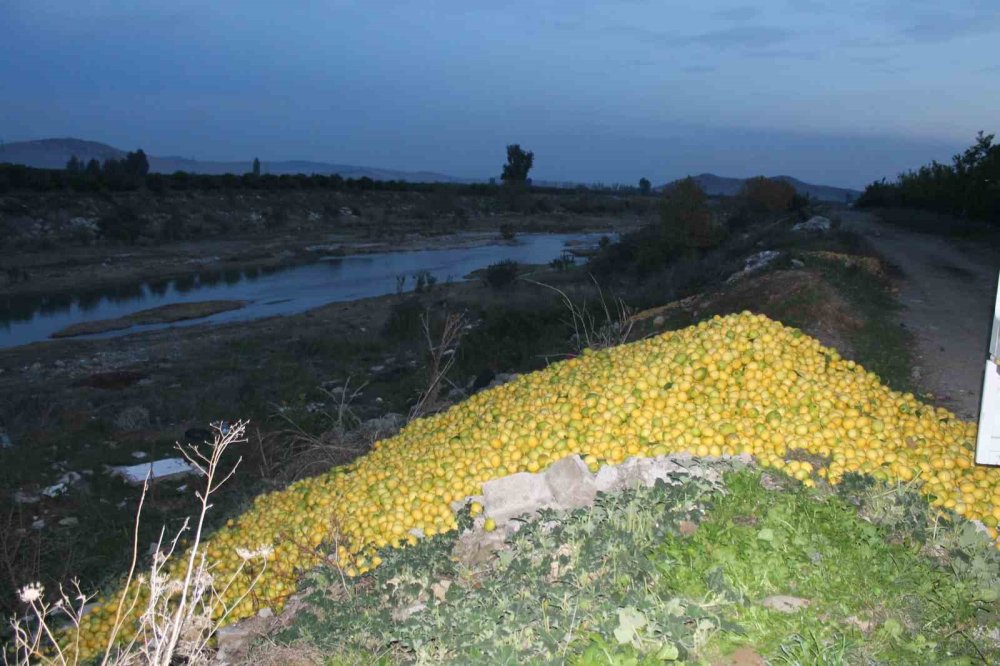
(24, 497)
(755, 262)
(607, 479)
(158, 470)
(815, 224)
(69, 521)
(784, 603)
(503, 378)
(65, 482)
(571, 483)
(387, 424)
(798, 263)
(516, 495)
(659, 321)
(475, 547)
(132, 418)
(234, 642)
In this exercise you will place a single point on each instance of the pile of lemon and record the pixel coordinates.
(738, 384)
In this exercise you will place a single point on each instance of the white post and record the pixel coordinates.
(988, 439)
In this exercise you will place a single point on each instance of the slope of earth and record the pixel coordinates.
(749, 569)
(740, 384)
(947, 288)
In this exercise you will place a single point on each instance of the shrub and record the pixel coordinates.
(404, 320)
(507, 232)
(685, 217)
(501, 274)
(563, 262)
(122, 224)
(764, 194)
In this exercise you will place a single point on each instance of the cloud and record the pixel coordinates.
(744, 36)
(744, 13)
(946, 27)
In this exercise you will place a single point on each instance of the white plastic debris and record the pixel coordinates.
(157, 470)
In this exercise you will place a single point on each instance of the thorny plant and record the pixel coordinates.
(306, 453)
(184, 608)
(609, 328)
(442, 352)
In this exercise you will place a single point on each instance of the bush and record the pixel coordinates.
(404, 320)
(563, 262)
(501, 274)
(685, 217)
(507, 232)
(763, 194)
(123, 224)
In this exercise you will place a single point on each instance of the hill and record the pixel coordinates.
(54, 153)
(722, 186)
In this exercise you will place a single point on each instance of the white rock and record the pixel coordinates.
(754, 263)
(23, 497)
(140, 455)
(157, 470)
(607, 479)
(69, 521)
(814, 223)
(571, 483)
(784, 603)
(515, 495)
(62, 485)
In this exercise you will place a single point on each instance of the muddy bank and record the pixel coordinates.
(165, 314)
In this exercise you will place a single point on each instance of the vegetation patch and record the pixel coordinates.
(741, 384)
(165, 314)
(680, 573)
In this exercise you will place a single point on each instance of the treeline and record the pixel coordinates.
(122, 175)
(969, 187)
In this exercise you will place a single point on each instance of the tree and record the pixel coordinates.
(519, 163)
(256, 167)
(93, 167)
(767, 194)
(74, 165)
(685, 216)
(645, 186)
(136, 164)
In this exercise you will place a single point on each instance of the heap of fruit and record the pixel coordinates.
(739, 384)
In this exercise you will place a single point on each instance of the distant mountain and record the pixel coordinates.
(720, 185)
(54, 153)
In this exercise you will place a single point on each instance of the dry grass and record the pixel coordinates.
(185, 600)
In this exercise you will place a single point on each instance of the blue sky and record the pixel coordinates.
(839, 92)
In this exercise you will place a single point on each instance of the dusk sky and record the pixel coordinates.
(836, 92)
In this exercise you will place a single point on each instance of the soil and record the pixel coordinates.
(165, 314)
(947, 287)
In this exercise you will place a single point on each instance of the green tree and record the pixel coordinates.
(93, 167)
(645, 186)
(136, 163)
(767, 194)
(256, 167)
(685, 217)
(519, 163)
(74, 165)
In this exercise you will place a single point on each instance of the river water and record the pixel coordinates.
(273, 292)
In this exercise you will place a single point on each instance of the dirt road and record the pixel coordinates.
(947, 289)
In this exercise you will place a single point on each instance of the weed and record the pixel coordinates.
(501, 275)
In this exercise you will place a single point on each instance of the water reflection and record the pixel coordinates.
(271, 290)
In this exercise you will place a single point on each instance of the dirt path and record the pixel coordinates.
(947, 289)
